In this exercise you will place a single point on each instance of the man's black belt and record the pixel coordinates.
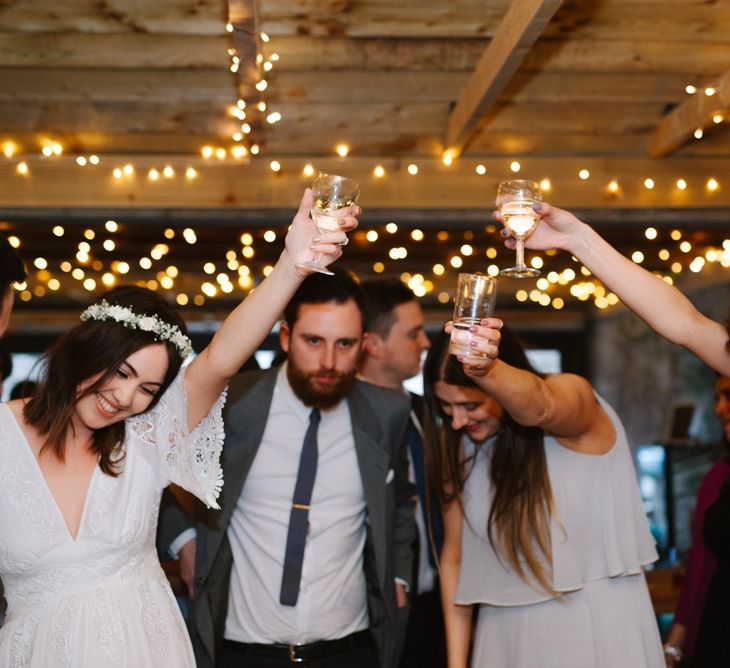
(301, 653)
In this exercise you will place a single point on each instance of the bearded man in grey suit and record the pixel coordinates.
(359, 530)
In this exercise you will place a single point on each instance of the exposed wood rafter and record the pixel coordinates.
(523, 23)
(696, 113)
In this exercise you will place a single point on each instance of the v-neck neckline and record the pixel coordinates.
(44, 483)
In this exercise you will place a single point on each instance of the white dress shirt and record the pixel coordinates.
(332, 599)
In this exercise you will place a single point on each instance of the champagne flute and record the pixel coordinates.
(330, 193)
(515, 199)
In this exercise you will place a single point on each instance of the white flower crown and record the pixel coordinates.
(162, 330)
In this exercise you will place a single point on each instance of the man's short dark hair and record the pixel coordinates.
(321, 289)
(11, 266)
(382, 296)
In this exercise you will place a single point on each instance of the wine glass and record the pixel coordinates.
(330, 193)
(515, 199)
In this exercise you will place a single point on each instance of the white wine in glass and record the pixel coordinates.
(331, 193)
(515, 199)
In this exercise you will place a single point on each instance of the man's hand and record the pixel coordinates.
(186, 557)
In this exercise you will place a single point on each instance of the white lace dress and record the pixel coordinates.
(102, 599)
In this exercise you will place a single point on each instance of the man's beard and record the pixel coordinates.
(317, 396)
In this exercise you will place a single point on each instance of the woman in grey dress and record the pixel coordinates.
(544, 527)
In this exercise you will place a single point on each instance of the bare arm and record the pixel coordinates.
(562, 404)
(457, 618)
(251, 321)
(664, 308)
(675, 637)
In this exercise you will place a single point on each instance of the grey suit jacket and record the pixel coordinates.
(379, 423)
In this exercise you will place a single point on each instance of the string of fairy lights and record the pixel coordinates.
(94, 268)
(94, 271)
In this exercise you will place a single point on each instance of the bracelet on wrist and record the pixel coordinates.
(673, 652)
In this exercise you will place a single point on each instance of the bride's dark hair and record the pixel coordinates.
(92, 348)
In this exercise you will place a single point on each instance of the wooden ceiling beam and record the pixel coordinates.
(228, 184)
(318, 87)
(160, 16)
(523, 23)
(593, 55)
(38, 85)
(695, 113)
(461, 19)
(117, 51)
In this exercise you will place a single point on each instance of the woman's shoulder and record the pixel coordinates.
(14, 425)
(14, 411)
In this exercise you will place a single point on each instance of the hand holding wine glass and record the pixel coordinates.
(303, 239)
(515, 200)
(333, 198)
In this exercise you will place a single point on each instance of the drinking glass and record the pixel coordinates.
(474, 301)
(515, 199)
(330, 193)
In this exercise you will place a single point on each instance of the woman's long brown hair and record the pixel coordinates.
(518, 526)
(90, 348)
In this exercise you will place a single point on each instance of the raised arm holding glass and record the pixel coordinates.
(84, 461)
(664, 308)
(545, 533)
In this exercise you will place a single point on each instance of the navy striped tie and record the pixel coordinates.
(299, 518)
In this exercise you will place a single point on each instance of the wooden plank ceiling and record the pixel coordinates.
(150, 89)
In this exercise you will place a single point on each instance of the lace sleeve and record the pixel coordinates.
(191, 459)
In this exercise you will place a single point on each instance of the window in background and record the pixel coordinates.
(24, 368)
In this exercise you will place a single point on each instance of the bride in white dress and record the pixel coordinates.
(83, 465)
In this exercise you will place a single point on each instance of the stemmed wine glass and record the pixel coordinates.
(330, 193)
(515, 199)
